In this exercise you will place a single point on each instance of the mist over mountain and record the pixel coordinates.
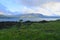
(29, 15)
(36, 15)
(25, 17)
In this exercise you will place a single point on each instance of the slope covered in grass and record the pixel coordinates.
(33, 31)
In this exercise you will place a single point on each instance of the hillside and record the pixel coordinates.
(32, 31)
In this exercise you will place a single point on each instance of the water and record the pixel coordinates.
(25, 19)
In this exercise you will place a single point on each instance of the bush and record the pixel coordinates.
(43, 21)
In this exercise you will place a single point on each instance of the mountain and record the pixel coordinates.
(25, 17)
(8, 16)
(32, 15)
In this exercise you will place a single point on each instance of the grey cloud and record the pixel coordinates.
(34, 2)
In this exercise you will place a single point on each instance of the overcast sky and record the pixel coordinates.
(46, 7)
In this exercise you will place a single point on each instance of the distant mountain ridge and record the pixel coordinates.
(28, 16)
(37, 15)
(25, 17)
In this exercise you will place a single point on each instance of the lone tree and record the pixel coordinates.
(21, 20)
(19, 24)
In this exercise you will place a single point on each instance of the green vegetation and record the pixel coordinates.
(32, 31)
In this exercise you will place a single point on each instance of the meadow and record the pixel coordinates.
(31, 31)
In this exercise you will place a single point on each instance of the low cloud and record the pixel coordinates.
(37, 10)
(46, 7)
(54, 7)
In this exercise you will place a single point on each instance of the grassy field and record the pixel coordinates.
(32, 31)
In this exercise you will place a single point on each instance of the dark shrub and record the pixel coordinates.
(7, 24)
(58, 20)
(43, 21)
(28, 22)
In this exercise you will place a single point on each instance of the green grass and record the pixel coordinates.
(34, 31)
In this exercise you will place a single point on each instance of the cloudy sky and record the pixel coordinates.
(45, 7)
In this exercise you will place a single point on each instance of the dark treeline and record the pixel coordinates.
(9, 24)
